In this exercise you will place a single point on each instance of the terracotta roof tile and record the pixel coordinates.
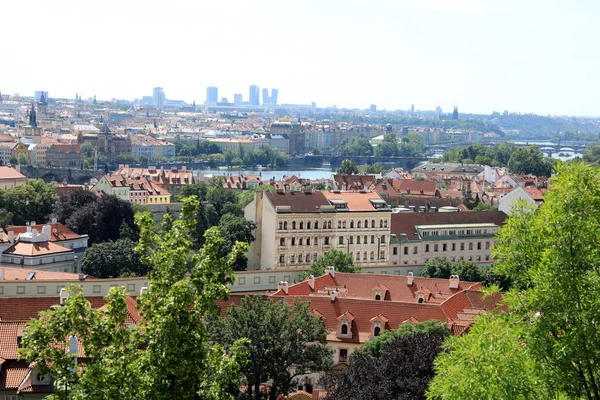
(58, 231)
(36, 249)
(356, 201)
(299, 202)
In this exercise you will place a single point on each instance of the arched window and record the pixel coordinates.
(380, 224)
(280, 225)
(373, 223)
(385, 223)
(343, 224)
(293, 241)
(300, 242)
(421, 299)
(328, 224)
(281, 259)
(351, 239)
(358, 240)
(351, 224)
(358, 224)
(365, 239)
(339, 224)
(377, 296)
(316, 224)
(285, 225)
(344, 329)
(372, 239)
(366, 223)
(307, 258)
(377, 331)
(308, 225)
(293, 224)
(301, 225)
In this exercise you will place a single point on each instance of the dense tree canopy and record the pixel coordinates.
(236, 229)
(167, 355)
(102, 219)
(31, 202)
(285, 341)
(68, 204)
(495, 156)
(548, 346)
(530, 160)
(355, 146)
(341, 261)
(112, 260)
(402, 371)
(348, 167)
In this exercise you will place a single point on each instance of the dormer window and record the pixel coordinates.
(378, 324)
(381, 292)
(345, 325)
(377, 296)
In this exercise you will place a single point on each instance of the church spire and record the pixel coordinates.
(43, 98)
(32, 117)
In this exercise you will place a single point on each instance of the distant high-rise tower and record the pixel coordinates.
(266, 99)
(455, 113)
(212, 95)
(238, 99)
(254, 95)
(158, 98)
(274, 94)
(412, 108)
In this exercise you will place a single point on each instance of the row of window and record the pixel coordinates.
(454, 232)
(293, 259)
(445, 246)
(348, 240)
(283, 225)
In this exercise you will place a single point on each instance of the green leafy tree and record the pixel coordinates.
(374, 347)
(402, 370)
(530, 160)
(236, 229)
(560, 252)
(372, 169)
(286, 340)
(492, 361)
(389, 147)
(348, 167)
(442, 268)
(102, 220)
(356, 146)
(342, 262)
(247, 196)
(68, 204)
(24, 160)
(13, 160)
(196, 189)
(31, 202)
(167, 355)
(112, 260)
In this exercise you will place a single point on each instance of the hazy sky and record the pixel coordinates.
(517, 55)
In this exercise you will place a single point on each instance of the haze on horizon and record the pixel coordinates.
(481, 55)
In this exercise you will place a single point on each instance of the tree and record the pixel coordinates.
(530, 160)
(102, 220)
(24, 160)
(356, 146)
(342, 262)
(247, 196)
(402, 371)
(286, 340)
(167, 355)
(236, 229)
(375, 346)
(373, 169)
(196, 189)
(112, 260)
(348, 167)
(442, 268)
(492, 361)
(68, 204)
(560, 253)
(31, 202)
(13, 160)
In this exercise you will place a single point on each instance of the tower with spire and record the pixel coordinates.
(455, 113)
(43, 104)
(33, 133)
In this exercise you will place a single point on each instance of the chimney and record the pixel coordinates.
(63, 296)
(11, 236)
(330, 270)
(53, 221)
(33, 223)
(81, 277)
(409, 279)
(311, 282)
(46, 232)
(454, 282)
(333, 296)
(283, 285)
(28, 227)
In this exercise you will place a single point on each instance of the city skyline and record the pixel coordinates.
(538, 57)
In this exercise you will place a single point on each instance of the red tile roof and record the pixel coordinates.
(356, 201)
(24, 308)
(13, 374)
(10, 173)
(58, 231)
(363, 286)
(36, 249)
(299, 202)
(354, 182)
